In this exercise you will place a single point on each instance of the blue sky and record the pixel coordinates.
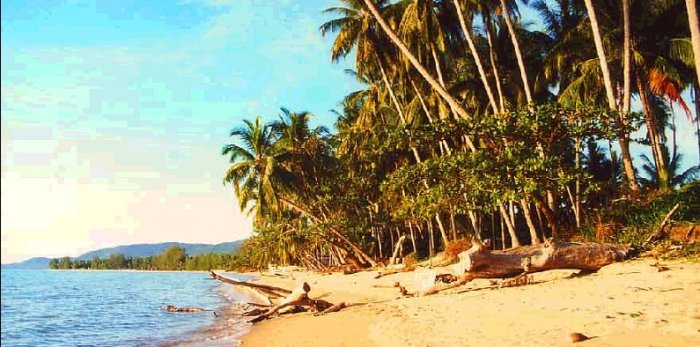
(113, 114)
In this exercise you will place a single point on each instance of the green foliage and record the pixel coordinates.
(639, 219)
(174, 258)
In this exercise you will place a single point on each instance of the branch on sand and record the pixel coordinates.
(480, 262)
(297, 300)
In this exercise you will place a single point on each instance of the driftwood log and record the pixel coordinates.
(296, 300)
(480, 262)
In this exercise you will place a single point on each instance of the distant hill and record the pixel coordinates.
(151, 249)
(137, 250)
(37, 263)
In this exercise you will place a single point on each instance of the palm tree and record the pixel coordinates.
(454, 104)
(624, 140)
(675, 178)
(691, 6)
(356, 30)
(475, 55)
(505, 12)
(255, 173)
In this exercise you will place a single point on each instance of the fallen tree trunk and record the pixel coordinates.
(480, 262)
(276, 292)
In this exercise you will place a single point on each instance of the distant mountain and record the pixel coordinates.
(37, 263)
(151, 249)
(137, 250)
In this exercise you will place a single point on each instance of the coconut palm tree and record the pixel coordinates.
(675, 177)
(255, 172)
(356, 30)
(434, 84)
(607, 82)
(691, 6)
(505, 12)
(466, 30)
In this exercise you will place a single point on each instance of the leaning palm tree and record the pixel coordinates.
(454, 104)
(254, 173)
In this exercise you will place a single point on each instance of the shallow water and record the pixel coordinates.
(113, 308)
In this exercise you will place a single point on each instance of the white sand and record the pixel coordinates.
(625, 304)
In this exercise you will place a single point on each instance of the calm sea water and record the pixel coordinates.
(113, 308)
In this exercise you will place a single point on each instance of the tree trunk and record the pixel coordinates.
(626, 157)
(494, 68)
(696, 90)
(534, 239)
(626, 74)
(392, 96)
(661, 169)
(601, 54)
(549, 216)
(475, 55)
(398, 250)
(511, 228)
(357, 250)
(694, 35)
(480, 262)
(413, 238)
(414, 61)
(518, 53)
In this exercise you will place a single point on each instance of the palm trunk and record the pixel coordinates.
(503, 233)
(661, 169)
(494, 68)
(601, 54)
(626, 75)
(624, 141)
(549, 216)
(518, 54)
(413, 238)
(696, 92)
(691, 5)
(391, 91)
(422, 102)
(357, 250)
(534, 239)
(414, 61)
(511, 228)
(475, 55)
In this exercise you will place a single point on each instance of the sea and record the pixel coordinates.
(118, 308)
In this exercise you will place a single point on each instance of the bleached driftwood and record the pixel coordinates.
(296, 300)
(298, 297)
(480, 262)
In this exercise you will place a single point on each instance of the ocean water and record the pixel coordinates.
(115, 308)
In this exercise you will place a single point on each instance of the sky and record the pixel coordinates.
(114, 113)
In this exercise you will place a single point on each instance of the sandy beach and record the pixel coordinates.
(624, 304)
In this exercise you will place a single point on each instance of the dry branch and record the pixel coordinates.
(660, 233)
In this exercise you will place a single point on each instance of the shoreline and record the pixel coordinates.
(629, 303)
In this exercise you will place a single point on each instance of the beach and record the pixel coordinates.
(624, 304)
